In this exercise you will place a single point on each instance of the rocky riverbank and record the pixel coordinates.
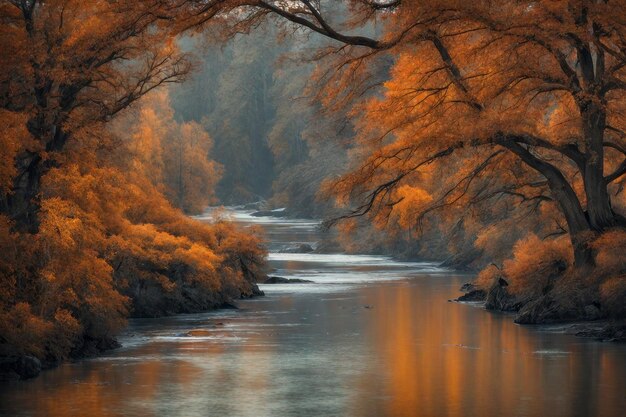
(580, 320)
(186, 299)
(189, 298)
(20, 367)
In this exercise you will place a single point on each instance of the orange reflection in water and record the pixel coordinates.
(412, 354)
(433, 360)
(103, 392)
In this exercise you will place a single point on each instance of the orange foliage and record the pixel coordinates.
(536, 263)
(610, 273)
(492, 113)
(110, 243)
(612, 296)
(88, 230)
(24, 332)
(175, 156)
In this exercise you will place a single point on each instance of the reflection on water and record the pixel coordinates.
(369, 338)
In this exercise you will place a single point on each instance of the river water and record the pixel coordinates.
(370, 337)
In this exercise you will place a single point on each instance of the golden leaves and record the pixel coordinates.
(535, 262)
(13, 139)
(412, 202)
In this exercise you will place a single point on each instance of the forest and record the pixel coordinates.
(487, 136)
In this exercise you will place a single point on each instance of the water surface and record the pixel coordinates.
(370, 337)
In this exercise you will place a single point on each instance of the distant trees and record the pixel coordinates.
(251, 95)
(231, 96)
(243, 117)
(176, 156)
(307, 144)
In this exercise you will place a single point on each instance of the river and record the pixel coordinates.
(370, 337)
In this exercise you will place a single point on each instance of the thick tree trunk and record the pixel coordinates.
(564, 195)
(580, 233)
(22, 204)
(599, 211)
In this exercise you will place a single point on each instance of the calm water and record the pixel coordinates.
(371, 337)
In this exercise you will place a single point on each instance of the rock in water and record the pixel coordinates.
(499, 298)
(545, 310)
(592, 312)
(606, 332)
(468, 287)
(281, 280)
(473, 296)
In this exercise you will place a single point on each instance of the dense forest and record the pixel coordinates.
(491, 137)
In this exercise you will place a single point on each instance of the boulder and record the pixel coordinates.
(19, 367)
(592, 312)
(546, 310)
(281, 280)
(468, 287)
(472, 293)
(499, 298)
(89, 347)
(550, 309)
(250, 290)
(473, 296)
(606, 332)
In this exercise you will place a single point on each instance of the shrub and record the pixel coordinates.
(613, 296)
(536, 264)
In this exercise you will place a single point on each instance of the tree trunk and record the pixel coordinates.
(181, 191)
(566, 199)
(22, 204)
(579, 230)
(599, 211)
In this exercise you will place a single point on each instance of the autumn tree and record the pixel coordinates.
(68, 64)
(175, 156)
(529, 95)
(87, 234)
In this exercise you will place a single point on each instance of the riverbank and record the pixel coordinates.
(22, 367)
(544, 313)
(547, 302)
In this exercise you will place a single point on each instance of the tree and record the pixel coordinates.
(66, 65)
(538, 85)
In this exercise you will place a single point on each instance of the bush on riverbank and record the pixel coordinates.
(541, 284)
(110, 245)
